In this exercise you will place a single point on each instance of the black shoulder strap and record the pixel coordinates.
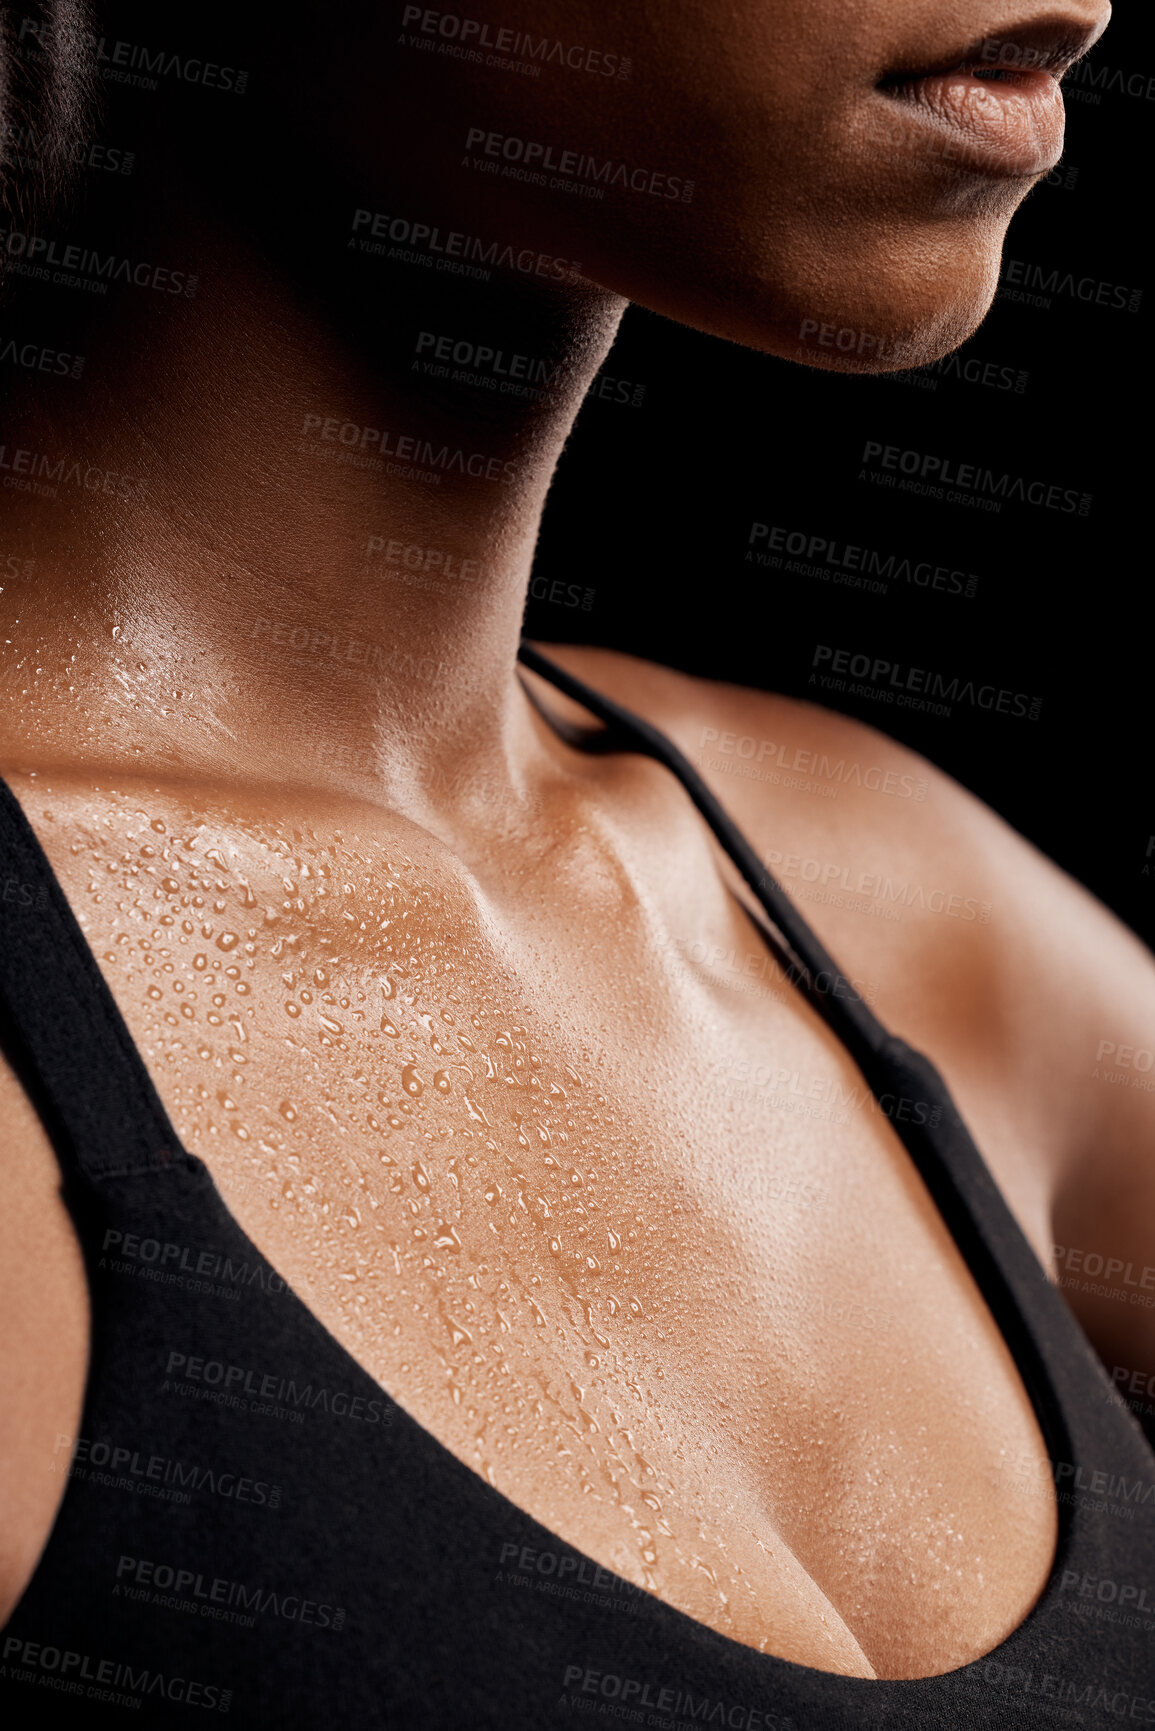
(805, 961)
(60, 1028)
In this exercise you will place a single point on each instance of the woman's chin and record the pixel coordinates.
(883, 332)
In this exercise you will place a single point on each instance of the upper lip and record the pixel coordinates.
(1050, 44)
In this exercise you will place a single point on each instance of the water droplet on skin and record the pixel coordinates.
(411, 1081)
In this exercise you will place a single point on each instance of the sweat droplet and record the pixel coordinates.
(411, 1081)
(288, 1111)
(442, 1082)
(228, 941)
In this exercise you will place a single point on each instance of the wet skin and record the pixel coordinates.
(421, 984)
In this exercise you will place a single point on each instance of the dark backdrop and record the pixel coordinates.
(687, 443)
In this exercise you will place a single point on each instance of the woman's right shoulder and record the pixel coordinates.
(44, 1328)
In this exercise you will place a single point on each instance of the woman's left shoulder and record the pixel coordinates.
(891, 856)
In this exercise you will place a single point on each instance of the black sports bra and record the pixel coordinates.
(296, 1552)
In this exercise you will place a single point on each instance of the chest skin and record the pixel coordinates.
(547, 1142)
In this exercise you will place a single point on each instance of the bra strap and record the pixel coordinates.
(805, 960)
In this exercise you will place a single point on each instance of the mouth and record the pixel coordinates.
(998, 100)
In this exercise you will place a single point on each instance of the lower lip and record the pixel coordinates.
(1001, 128)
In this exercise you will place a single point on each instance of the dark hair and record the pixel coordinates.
(48, 98)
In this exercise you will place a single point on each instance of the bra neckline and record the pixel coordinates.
(1069, 1534)
(1071, 1520)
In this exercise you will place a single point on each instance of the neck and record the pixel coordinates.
(286, 543)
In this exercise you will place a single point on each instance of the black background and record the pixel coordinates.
(652, 509)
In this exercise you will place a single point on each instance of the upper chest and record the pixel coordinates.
(635, 1243)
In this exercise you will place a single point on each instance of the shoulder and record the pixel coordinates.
(1023, 987)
